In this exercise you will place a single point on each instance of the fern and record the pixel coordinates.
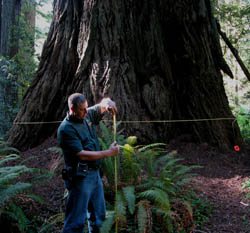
(108, 223)
(129, 194)
(48, 224)
(120, 208)
(130, 167)
(147, 159)
(106, 135)
(8, 174)
(8, 158)
(148, 184)
(10, 188)
(169, 161)
(158, 197)
(151, 146)
(3, 145)
(36, 198)
(9, 192)
(57, 218)
(157, 177)
(6, 150)
(182, 171)
(106, 138)
(108, 167)
(16, 213)
(163, 184)
(45, 228)
(142, 218)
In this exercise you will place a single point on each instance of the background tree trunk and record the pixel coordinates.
(157, 59)
(9, 12)
(9, 16)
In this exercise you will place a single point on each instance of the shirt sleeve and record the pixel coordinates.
(94, 114)
(70, 141)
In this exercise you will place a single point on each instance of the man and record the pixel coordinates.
(78, 140)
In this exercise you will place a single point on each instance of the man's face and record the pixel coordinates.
(81, 111)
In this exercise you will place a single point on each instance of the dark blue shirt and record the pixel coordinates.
(75, 135)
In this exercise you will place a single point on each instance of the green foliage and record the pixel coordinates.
(200, 208)
(202, 211)
(15, 214)
(233, 16)
(243, 119)
(158, 197)
(120, 209)
(155, 199)
(129, 194)
(24, 36)
(16, 72)
(108, 223)
(6, 150)
(150, 181)
(47, 226)
(8, 158)
(9, 186)
(11, 189)
(106, 138)
(129, 165)
(246, 186)
(143, 218)
(106, 135)
(8, 90)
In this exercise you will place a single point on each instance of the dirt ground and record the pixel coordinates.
(219, 181)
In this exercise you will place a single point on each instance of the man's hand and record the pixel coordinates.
(114, 149)
(108, 105)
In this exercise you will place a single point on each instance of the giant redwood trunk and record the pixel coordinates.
(159, 60)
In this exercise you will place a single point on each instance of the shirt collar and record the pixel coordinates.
(74, 119)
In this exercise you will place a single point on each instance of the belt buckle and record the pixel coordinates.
(82, 169)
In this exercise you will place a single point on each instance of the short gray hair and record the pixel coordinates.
(76, 99)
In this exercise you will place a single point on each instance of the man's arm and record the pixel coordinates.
(95, 155)
(96, 112)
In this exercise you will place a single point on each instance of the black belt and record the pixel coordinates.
(68, 173)
(93, 166)
(90, 166)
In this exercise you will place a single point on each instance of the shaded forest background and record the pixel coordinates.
(21, 33)
(31, 200)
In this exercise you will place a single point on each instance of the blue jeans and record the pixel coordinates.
(85, 200)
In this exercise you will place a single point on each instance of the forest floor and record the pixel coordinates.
(219, 181)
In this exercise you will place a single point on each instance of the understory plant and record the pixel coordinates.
(13, 191)
(243, 119)
(246, 187)
(150, 189)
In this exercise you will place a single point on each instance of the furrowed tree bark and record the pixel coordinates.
(159, 60)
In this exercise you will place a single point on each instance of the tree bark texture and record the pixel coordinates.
(159, 60)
